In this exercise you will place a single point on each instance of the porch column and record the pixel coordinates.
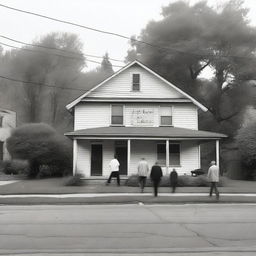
(218, 153)
(167, 156)
(74, 156)
(128, 156)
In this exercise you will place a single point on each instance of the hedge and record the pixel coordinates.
(183, 181)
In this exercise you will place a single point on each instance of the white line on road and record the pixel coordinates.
(93, 195)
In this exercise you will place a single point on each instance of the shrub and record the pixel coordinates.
(183, 181)
(44, 171)
(40, 144)
(75, 181)
(15, 167)
(246, 141)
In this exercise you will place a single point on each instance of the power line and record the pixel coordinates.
(41, 84)
(56, 54)
(90, 28)
(62, 50)
(120, 35)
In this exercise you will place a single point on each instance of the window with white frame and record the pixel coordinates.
(136, 82)
(166, 116)
(174, 154)
(117, 115)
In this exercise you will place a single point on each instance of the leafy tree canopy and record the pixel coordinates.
(246, 139)
(192, 38)
(40, 144)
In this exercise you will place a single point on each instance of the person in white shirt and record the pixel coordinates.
(143, 170)
(213, 176)
(114, 168)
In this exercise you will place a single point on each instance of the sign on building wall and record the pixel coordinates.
(142, 116)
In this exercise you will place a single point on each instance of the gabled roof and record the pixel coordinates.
(146, 132)
(76, 101)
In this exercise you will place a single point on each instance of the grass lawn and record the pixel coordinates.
(57, 186)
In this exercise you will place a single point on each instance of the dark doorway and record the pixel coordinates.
(121, 153)
(96, 160)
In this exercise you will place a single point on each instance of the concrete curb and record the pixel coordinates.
(96, 195)
(130, 251)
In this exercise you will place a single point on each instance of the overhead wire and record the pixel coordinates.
(56, 54)
(120, 35)
(41, 84)
(58, 49)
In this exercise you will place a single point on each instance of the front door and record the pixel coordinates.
(96, 160)
(121, 154)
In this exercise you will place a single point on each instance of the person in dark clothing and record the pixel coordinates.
(156, 175)
(174, 180)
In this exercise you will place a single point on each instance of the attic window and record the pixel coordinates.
(136, 82)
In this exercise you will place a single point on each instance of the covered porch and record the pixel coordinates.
(172, 147)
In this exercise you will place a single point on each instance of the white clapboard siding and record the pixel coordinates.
(150, 86)
(147, 149)
(185, 116)
(139, 149)
(189, 157)
(83, 158)
(92, 115)
(108, 154)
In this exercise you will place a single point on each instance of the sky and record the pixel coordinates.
(126, 17)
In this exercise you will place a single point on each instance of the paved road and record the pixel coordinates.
(118, 229)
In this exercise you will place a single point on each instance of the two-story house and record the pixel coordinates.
(136, 113)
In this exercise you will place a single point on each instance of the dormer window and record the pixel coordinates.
(136, 82)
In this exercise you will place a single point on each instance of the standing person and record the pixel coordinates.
(143, 169)
(213, 176)
(156, 175)
(173, 179)
(114, 168)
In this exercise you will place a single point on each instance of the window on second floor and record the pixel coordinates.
(136, 82)
(166, 116)
(117, 115)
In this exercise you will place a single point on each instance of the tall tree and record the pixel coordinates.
(52, 66)
(191, 38)
(106, 65)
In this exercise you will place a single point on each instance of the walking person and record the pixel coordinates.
(114, 168)
(143, 170)
(213, 176)
(156, 175)
(174, 180)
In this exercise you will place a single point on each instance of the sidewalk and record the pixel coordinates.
(53, 191)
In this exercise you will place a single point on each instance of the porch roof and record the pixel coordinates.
(145, 132)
